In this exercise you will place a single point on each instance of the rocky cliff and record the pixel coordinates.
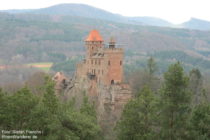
(109, 100)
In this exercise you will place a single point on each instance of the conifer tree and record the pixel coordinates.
(50, 100)
(16, 109)
(88, 108)
(55, 119)
(175, 104)
(196, 86)
(200, 122)
(137, 120)
(151, 66)
(153, 81)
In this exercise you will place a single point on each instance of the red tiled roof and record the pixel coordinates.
(94, 36)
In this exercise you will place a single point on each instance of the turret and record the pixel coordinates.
(93, 42)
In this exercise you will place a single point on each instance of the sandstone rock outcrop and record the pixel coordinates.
(108, 100)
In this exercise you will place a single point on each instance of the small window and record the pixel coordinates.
(109, 63)
(92, 62)
(95, 62)
(120, 63)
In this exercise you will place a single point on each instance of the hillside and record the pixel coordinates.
(86, 11)
(31, 38)
(79, 10)
(76, 10)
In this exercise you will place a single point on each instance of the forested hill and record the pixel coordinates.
(40, 38)
(86, 11)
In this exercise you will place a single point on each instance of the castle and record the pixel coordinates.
(102, 64)
(100, 77)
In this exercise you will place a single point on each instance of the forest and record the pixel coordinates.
(171, 106)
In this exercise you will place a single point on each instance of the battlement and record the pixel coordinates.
(113, 51)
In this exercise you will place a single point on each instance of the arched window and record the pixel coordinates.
(112, 82)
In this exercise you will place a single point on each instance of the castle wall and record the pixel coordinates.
(81, 70)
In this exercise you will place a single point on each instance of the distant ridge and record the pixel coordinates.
(77, 10)
(82, 10)
(198, 24)
(151, 21)
(17, 11)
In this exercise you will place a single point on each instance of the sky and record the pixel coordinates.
(175, 11)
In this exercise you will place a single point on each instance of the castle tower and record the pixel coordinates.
(114, 58)
(102, 65)
(93, 42)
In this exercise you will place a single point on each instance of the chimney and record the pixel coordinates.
(112, 43)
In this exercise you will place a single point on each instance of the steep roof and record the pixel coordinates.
(94, 36)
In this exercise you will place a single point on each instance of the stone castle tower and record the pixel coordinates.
(102, 64)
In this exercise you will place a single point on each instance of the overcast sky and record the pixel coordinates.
(175, 11)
